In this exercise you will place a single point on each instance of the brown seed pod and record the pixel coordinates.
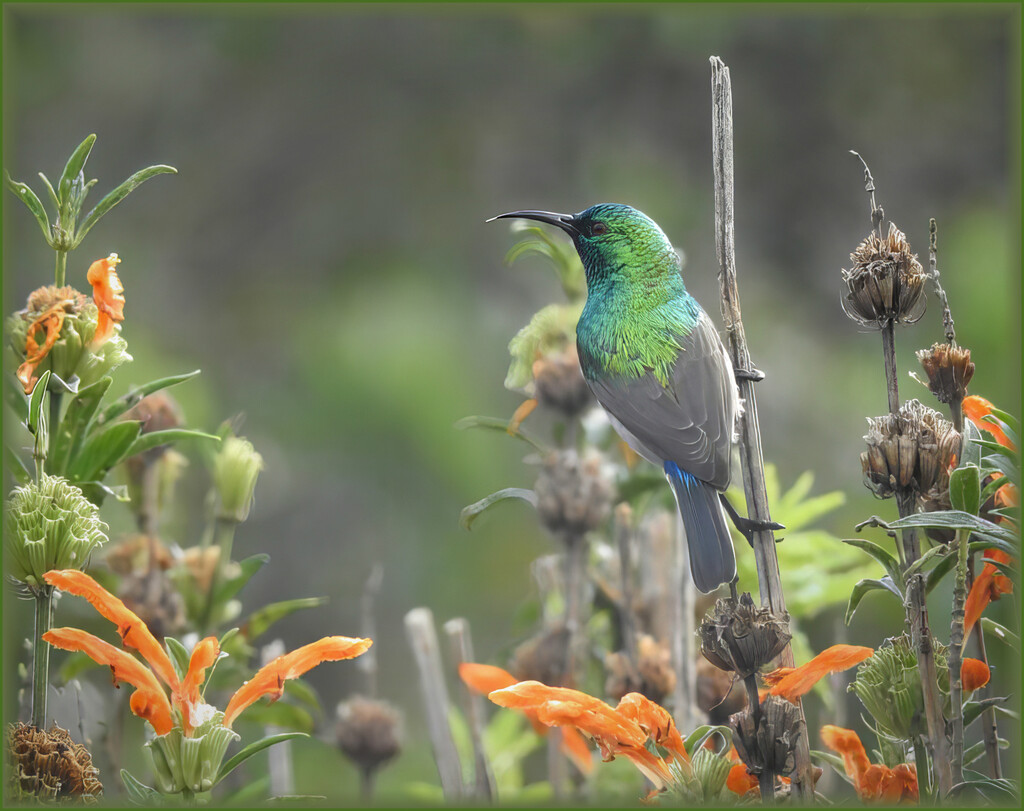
(368, 732)
(769, 744)
(742, 637)
(653, 676)
(886, 282)
(949, 369)
(49, 765)
(574, 493)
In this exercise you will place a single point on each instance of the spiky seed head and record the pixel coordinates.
(48, 766)
(368, 732)
(888, 684)
(886, 282)
(742, 637)
(574, 493)
(949, 369)
(909, 452)
(50, 524)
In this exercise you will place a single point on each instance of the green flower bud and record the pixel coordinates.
(235, 469)
(191, 762)
(50, 524)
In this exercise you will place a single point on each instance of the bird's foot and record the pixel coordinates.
(747, 526)
(753, 375)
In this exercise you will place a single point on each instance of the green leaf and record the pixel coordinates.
(834, 761)
(256, 746)
(497, 424)
(1000, 632)
(259, 621)
(956, 519)
(970, 450)
(32, 203)
(74, 167)
(72, 430)
(974, 709)
(695, 740)
(15, 465)
(888, 561)
(154, 439)
(179, 656)
(472, 512)
(49, 190)
(248, 567)
(940, 550)
(117, 195)
(35, 403)
(863, 587)
(140, 793)
(14, 396)
(102, 450)
(122, 404)
(59, 386)
(942, 568)
(965, 489)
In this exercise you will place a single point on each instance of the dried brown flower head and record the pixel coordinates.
(653, 676)
(719, 692)
(910, 452)
(157, 412)
(574, 493)
(542, 657)
(134, 552)
(949, 370)
(770, 743)
(559, 383)
(742, 637)
(368, 732)
(886, 282)
(43, 298)
(49, 765)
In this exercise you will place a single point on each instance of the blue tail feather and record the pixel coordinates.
(712, 560)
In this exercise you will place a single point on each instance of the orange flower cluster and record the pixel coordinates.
(976, 408)
(792, 682)
(874, 783)
(988, 586)
(108, 293)
(150, 701)
(623, 730)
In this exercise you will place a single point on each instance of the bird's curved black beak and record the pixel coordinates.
(567, 222)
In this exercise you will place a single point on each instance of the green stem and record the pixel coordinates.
(55, 398)
(61, 269)
(921, 761)
(956, 640)
(41, 654)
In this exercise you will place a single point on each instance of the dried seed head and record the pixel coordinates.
(719, 693)
(559, 383)
(741, 637)
(949, 370)
(574, 494)
(886, 282)
(138, 553)
(652, 677)
(888, 684)
(909, 452)
(49, 765)
(154, 598)
(542, 657)
(769, 744)
(369, 732)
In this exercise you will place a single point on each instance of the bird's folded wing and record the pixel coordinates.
(691, 422)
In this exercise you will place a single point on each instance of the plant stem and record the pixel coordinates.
(41, 654)
(575, 566)
(60, 269)
(956, 641)
(766, 779)
(889, 353)
(366, 786)
(769, 579)
(921, 762)
(188, 797)
(224, 536)
(989, 727)
(461, 643)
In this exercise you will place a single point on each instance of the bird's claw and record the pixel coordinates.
(748, 526)
(753, 375)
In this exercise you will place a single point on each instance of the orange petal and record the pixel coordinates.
(107, 293)
(574, 747)
(525, 410)
(52, 321)
(801, 679)
(270, 679)
(847, 743)
(133, 630)
(975, 408)
(974, 674)
(650, 765)
(203, 656)
(485, 678)
(148, 701)
(740, 781)
(654, 720)
(906, 776)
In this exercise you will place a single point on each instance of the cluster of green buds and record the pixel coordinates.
(192, 762)
(236, 467)
(741, 637)
(888, 684)
(885, 283)
(50, 524)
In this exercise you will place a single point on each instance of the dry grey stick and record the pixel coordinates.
(282, 776)
(457, 631)
(367, 663)
(683, 606)
(769, 579)
(419, 627)
(624, 540)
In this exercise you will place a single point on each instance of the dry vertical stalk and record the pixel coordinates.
(457, 631)
(419, 627)
(769, 580)
(282, 776)
(368, 627)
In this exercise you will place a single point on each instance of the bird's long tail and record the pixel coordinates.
(712, 560)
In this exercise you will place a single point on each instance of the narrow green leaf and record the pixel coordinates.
(32, 203)
(102, 450)
(695, 740)
(154, 439)
(59, 386)
(965, 489)
(834, 761)
(976, 751)
(132, 398)
(49, 190)
(888, 561)
(473, 511)
(94, 488)
(953, 519)
(247, 568)
(974, 709)
(926, 558)
(139, 793)
(942, 568)
(74, 166)
(862, 587)
(16, 467)
(261, 620)
(970, 450)
(72, 430)
(117, 195)
(498, 424)
(990, 626)
(35, 403)
(179, 656)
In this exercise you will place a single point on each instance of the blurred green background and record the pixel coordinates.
(322, 254)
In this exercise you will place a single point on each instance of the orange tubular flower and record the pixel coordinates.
(133, 630)
(792, 682)
(740, 781)
(874, 783)
(107, 292)
(974, 674)
(988, 586)
(203, 656)
(270, 679)
(975, 409)
(148, 701)
(51, 321)
(486, 679)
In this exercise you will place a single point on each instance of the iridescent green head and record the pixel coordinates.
(614, 241)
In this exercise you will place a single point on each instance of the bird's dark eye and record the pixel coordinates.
(598, 229)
